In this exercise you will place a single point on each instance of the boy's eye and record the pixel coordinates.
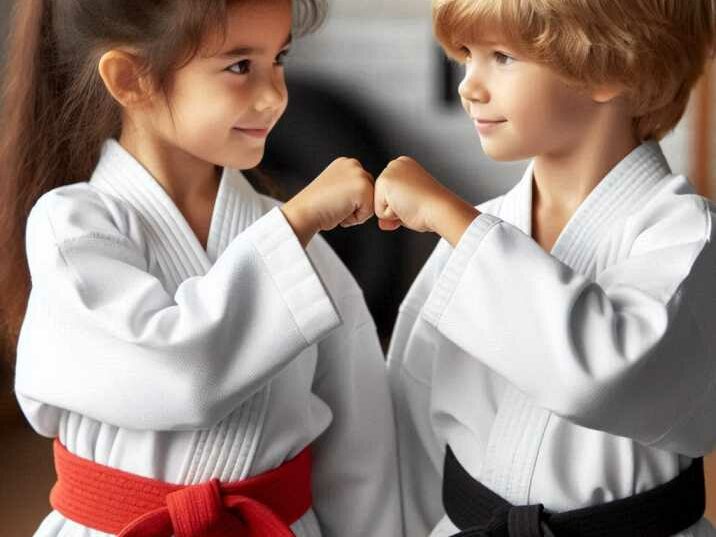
(465, 54)
(502, 58)
(240, 68)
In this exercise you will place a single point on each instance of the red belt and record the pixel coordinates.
(129, 505)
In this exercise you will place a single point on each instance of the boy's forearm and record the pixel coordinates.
(452, 217)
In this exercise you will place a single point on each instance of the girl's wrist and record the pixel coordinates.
(302, 225)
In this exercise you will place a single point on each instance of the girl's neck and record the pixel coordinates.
(185, 178)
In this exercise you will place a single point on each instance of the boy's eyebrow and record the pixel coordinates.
(491, 42)
(247, 51)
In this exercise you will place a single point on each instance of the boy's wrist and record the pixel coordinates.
(451, 218)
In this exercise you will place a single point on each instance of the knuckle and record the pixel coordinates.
(343, 162)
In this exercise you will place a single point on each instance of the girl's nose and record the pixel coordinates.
(271, 93)
(472, 87)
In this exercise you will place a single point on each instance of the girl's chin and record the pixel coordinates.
(244, 162)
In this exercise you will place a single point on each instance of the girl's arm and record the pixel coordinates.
(356, 488)
(102, 336)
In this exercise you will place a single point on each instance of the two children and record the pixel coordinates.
(556, 353)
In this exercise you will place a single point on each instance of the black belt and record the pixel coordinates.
(659, 512)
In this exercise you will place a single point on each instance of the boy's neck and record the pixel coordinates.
(562, 181)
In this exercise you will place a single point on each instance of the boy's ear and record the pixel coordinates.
(121, 74)
(606, 92)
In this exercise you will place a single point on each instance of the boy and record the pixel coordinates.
(554, 362)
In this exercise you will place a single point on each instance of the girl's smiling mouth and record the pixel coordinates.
(253, 132)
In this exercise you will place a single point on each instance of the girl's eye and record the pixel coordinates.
(502, 58)
(281, 58)
(240, 68)
(466, 54)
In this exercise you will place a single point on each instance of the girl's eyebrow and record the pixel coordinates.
(247, 51)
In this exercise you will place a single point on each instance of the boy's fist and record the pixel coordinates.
(407, 195)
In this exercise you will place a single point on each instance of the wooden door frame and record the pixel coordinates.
(701, 175)
(701, 157)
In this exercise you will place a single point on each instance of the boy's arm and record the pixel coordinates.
(406, 195)
(421, 453)
(455, 216)
(630, 353)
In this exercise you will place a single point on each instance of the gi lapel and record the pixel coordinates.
(170, 238)
(622, 191)
(226, 450)
(519, 426)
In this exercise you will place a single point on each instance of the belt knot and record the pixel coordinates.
(205, 511)
(516, 521)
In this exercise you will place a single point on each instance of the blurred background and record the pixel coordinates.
(372, 85)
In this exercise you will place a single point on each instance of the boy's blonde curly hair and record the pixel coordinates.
(654, 49)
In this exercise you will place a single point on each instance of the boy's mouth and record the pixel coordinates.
(485, 121)
(486, 126)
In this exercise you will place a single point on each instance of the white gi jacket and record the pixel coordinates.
(569, 379)
(144, 352)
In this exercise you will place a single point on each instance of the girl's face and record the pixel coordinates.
(520, 108)
(223, 103)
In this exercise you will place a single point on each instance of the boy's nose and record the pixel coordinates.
(472, 88)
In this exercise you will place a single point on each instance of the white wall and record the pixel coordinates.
(380, 8)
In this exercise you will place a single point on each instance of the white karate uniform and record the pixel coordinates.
(569, 379)
(144, 352)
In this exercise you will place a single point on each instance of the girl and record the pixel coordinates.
(553, 363)
(186, 352)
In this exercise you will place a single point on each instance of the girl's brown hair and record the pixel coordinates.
(655, 49)
(55, 108)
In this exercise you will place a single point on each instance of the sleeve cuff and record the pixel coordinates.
(449, 279)
(294, 275)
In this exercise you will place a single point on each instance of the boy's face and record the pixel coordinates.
(521, 109)
(224, 103)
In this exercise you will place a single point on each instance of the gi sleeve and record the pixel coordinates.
(421, 453)
(631, 352)
(356, 488)
(413, 351)
(102, 336)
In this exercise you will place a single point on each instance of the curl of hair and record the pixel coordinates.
(57, 112)
(655, 50)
